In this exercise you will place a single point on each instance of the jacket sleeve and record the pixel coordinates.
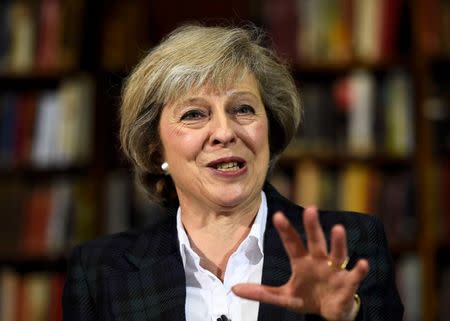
(78, 303)
(380, 300)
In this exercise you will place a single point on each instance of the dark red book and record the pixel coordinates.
(390, 16)
(37, 213)
(56, 290)
(48, 35)
(282, 23)
(26, 113)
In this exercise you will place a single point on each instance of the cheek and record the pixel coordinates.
(260, 136)
(179, 142)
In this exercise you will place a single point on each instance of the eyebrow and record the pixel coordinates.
(243, 94)
(201, 100)
(191, 100)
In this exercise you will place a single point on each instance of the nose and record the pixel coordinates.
(222, 131)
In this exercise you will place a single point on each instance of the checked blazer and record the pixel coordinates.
(139, 276)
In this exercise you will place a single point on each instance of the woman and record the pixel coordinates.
(204, 117)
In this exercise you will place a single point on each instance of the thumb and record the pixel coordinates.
(267, 294)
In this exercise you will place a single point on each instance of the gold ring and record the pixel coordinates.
(341, 266)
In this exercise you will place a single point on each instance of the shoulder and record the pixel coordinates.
(352, 221)
(103, 249)
(277, 202)
(361, 228)
(109, 250)
(365, 233)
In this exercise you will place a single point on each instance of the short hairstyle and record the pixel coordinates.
(188, 58)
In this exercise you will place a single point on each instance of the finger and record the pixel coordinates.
(268, 294)
(338, 251)
(289, 236)
(317, 245)
(358, 273)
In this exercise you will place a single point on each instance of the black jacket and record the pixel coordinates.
(137, 276)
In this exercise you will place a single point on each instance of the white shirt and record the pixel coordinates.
(207, 298)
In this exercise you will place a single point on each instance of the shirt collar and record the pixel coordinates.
(256, 234)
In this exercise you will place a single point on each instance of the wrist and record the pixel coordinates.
(355, 308)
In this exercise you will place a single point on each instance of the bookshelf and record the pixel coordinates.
(47, 152)
(401, 168)
(325, 43)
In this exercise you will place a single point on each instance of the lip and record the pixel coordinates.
(212, 165)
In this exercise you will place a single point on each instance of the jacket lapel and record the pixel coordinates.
(276, 267)
(156, 289)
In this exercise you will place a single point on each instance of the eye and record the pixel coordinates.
(244, 110)
(193, 115)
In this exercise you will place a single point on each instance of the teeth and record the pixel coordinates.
(231, 166)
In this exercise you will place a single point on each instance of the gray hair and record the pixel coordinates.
(187, 59)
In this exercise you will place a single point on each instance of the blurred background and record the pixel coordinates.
(374, 77)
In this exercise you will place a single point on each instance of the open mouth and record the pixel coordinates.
(229, 166)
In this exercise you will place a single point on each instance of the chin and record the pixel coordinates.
(231, 198)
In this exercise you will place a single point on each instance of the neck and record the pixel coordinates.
(215, 234)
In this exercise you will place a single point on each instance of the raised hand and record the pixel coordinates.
(319, 283)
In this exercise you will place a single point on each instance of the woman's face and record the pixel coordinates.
(216, 145)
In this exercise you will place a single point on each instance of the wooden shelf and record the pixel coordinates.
(293, 155)
(35, 173)
(316, 69)
(34, 79)
(34, 262)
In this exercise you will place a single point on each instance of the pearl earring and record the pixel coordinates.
(165, 168)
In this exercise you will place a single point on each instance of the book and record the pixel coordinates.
(428, 19)
(55, 296)
(8, 115)
(282, 21)
(46, 135)
(329, 193)
(37, 214)
(35, 304)
(56, 239)
(24, 128)
(389, 27)
(339, 31)
(307, 183)
(409, 284)
(118, 50)
(74, 132)
(12, 194)
(367, 26)
(9, 287)
(319, 131)
(71, 35)
(49, 25)
(361, 122)
(5, 34)
(30, 296)
(445, 27)
(22, 37)
(355, 188)
(398, 111)
(444, 293)
(83, 220)
(443, 199)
